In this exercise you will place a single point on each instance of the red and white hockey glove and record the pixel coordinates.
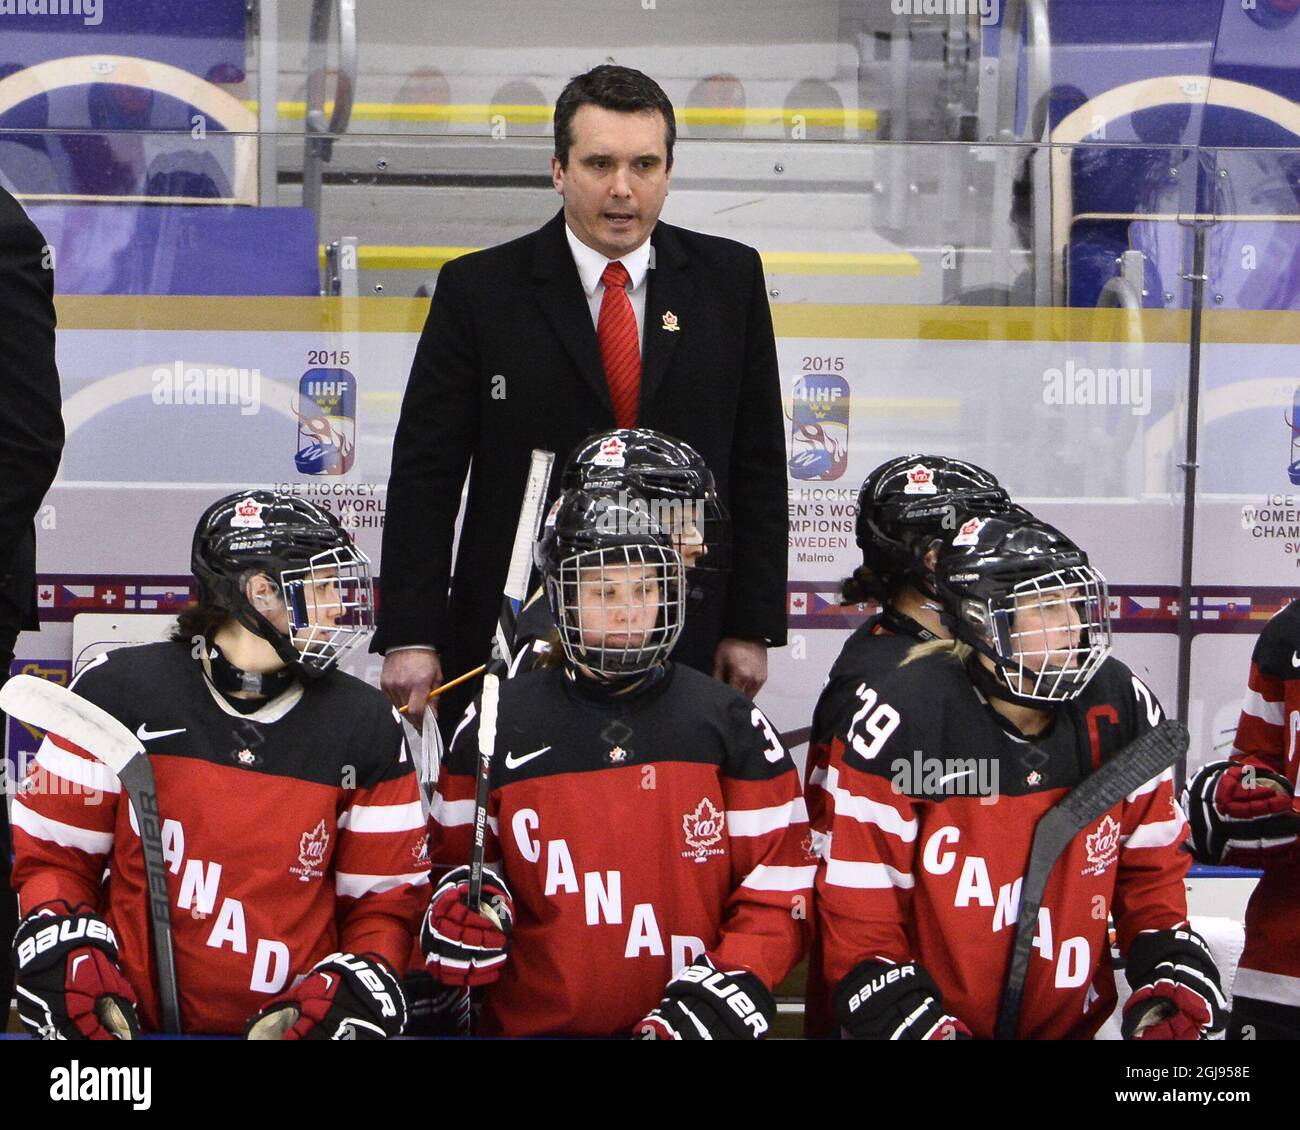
(69, 985)
(882, 1000)
(461, 946)
(1176, 993)
(344, 997)
(704, 1003)
(1241, 815)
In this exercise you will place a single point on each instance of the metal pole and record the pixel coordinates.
(1198, 279)
(268, 116)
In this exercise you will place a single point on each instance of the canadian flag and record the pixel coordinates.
(798, 603)
(44, 596)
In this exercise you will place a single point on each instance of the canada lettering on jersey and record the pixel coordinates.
(957, 866)
(602, 895)
(975, 888)
(657, 828)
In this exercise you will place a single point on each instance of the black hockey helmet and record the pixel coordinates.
(1022, 593)
(608, 564)
(909, 503)
(318, 572)
(672, 476)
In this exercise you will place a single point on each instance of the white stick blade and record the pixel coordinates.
(57, 710)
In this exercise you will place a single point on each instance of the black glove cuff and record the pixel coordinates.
(1181, 945)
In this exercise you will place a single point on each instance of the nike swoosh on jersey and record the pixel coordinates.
(513, 762)
(953, 776)
(147, 735)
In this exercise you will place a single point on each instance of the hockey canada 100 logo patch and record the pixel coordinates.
(311, 853)
(703, 829)
(1102, 846)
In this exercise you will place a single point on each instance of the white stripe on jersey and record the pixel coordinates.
(866, 876)
(1150, 786)
(1257, 706)
(817, 776)
(382, 817)
(451, 813)
(760, 821)
(54, 831)
(347, 885)
(867, 811)
(1160, 834)
(771, 877)
(91, 776)
(1261, 986)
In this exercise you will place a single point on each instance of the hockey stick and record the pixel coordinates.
(1132, 767)
(57, 710)
(516, 592)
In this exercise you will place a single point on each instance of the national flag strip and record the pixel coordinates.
(60, 597)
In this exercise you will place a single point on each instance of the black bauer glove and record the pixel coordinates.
(69, 985)
(882, 1000)
(1241, 815)
(1175, 983)
(703, 1003)
(344, 997)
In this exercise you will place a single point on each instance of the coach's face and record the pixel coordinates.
(616, 178)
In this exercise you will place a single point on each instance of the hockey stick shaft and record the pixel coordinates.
(516, 591)
(1142, 760)
(61, 712)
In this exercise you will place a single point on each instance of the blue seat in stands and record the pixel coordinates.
(180, 249)
(131, 91)
(1208, 125)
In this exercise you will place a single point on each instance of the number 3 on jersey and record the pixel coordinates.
(872, 724)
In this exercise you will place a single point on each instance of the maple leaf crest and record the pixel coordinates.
(703, 827)
(1103, 844)
(312, 845)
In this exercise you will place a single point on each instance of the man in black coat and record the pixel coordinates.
(31, 441)
(532, 345)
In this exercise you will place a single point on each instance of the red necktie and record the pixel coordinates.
(619, 348)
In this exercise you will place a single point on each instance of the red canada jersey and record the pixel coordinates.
(635, 833)
(872, 651)
(290, 831)
(1266, 738)
(936, 802)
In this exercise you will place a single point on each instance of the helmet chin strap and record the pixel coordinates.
(229, 679)
(249, 616)
(991, 686)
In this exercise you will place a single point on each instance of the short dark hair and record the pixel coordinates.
(200, 619)
(611, 88)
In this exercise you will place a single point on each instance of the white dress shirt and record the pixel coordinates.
(591, 265)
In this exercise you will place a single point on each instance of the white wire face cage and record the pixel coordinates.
(1051, 633)
(619, 610)
(331, 605)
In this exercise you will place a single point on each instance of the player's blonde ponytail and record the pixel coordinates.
(954, 648)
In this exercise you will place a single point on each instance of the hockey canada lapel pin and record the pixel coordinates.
(670, 322)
